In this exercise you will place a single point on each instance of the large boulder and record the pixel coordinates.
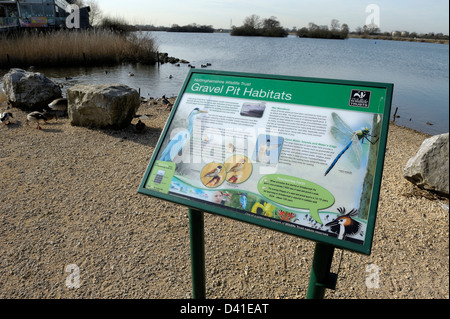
(29, 91)
(429, 168)
(102, 106)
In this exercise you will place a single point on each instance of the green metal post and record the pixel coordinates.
(197, 239)
(321, 278)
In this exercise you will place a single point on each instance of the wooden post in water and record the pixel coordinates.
(395, 114)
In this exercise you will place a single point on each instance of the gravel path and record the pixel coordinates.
(69, 201)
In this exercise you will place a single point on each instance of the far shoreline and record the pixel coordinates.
(401, 39)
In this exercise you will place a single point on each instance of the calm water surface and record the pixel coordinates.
(419, 71)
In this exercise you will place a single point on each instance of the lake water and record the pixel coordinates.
(419, 71)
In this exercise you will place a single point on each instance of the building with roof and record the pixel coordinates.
(39, 14)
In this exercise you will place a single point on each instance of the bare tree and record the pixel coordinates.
(335, 25)
(95, 15)
(252, 22)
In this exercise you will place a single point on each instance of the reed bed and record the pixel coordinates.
(76, 48)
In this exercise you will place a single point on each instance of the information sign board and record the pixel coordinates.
(303, 156)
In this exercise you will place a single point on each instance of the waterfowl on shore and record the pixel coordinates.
(59, 105)
(140, 127)
(5, 118)
(36, 117)
(142, 117)
(166, 102)
(49, 116)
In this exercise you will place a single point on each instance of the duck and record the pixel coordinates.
(170, 76)
(5, 118)
(166, 102)
(140, 127)
(58, 104)
(49, 116)
(130, 74)
(36, 117)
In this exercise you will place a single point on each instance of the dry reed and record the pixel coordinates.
(75, 48)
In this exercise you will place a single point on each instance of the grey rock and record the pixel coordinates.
(29, 91)
(102, 106)
(429, 168)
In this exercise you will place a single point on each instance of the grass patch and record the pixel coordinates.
(76, 48)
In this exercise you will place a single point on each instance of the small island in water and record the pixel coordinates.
(271, 27)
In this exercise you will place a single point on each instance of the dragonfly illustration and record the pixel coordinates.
(345, 135)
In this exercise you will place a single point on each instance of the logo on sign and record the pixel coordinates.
(360, 98)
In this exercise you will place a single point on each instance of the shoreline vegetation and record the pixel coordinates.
(323, 32)
(77, 48)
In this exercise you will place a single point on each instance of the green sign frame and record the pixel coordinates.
(271, 150)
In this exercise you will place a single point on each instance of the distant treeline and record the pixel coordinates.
(191, 28)
(323, 32)
(254, 26)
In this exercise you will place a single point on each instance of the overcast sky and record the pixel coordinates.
(420, 16)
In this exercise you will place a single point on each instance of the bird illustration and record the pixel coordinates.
(243, 200)
(345, 225)
(140, 127)
(36, 117)
(213, 173)
(177, 143)
(238, 166)
(58, 105)
(231, 148)
(264, 151)
(5, 118)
